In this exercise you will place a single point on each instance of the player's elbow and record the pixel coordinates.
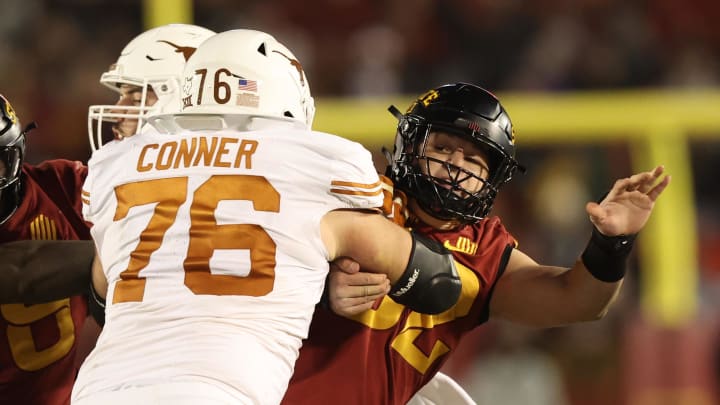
(443, 293)
(430, 283)
(432, 295)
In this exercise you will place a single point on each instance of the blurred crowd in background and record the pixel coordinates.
(53, 52)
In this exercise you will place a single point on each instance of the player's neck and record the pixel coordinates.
(439, 224)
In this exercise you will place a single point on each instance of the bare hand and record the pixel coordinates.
(352, 291)
(628, 205)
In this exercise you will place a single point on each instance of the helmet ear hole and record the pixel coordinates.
(262, 50)
(288, 114)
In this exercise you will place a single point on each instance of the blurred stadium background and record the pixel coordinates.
(595, 88)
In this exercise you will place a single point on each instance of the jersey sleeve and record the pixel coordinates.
(354, 180)
(62, 177)
(86, 194)
(481, 251)
(75, 172)
(99, 173)
(394, 202)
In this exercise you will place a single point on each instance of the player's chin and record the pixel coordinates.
(121, 132)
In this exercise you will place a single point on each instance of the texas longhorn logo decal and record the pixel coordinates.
(296, 64)
(186, 51)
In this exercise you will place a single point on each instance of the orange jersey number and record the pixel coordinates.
(205, 235)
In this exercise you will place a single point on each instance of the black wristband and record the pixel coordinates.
(96, 306)
(605, 257)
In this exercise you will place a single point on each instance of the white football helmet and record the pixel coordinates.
(246, 73)
(154, 60)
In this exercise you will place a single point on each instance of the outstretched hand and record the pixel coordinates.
(352, 291)
(628, 205)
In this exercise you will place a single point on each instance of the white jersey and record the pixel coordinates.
(210, 242)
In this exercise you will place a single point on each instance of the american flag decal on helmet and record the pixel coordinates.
(247, 85)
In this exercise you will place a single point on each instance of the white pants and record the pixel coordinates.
(441, 390)
(186, 393)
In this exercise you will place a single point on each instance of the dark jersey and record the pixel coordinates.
(386, 354)
(38, 342)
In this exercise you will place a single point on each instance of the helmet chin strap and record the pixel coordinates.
(9, 200)
(395, 112)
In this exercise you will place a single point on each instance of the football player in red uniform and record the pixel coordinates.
(450, 139)
(454, 149)
(38, 342)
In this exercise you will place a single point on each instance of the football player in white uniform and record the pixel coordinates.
(214, 233)
(146, 77)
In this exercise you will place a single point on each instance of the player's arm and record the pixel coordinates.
(537, 295)
(99, 281)
(421, 271)
(98, 287)
(534, 294)
(37, 271)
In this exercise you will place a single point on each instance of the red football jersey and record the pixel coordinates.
(385, 355)
(38, 342)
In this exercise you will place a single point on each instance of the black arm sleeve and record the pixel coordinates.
(430, 283)
(37, 271)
